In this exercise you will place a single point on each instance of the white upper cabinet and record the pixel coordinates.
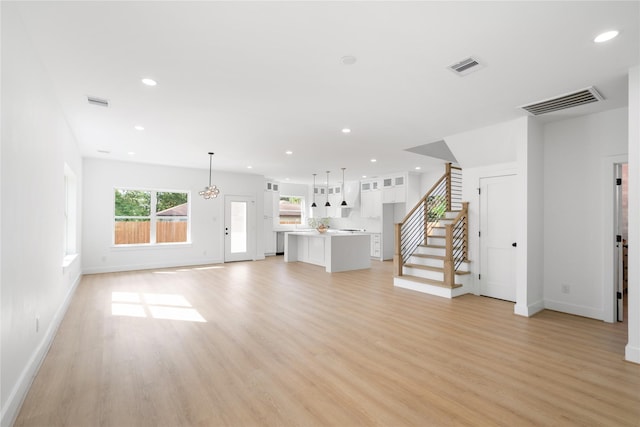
(371, 199)
(394, 189)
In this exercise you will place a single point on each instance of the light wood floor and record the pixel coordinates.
(290, 345)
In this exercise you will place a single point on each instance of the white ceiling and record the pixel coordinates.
(250, 80)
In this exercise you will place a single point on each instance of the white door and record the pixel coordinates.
(498, 246)
(239, 212)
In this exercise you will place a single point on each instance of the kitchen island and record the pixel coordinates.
(334, 250)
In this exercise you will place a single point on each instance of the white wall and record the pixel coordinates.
(491, 145)
(36, 144)
(207, 216)
(530, 200)
(500, 149)
(632, 350)
(574, 208)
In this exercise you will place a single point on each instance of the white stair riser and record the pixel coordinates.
(427, 274)
(429, 262)
(437, 232)
(463, 267)
(429, 289)
(429, 251)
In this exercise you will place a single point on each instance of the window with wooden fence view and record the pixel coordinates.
(150, 217)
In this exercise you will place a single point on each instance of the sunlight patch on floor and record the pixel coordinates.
(156, 306)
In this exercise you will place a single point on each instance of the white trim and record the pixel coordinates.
(578, 310)
(528, 310)
(19, 392)
(608, 229)
(632, 354)
(152, 266)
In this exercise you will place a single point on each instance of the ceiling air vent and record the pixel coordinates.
(574, 99)
(97, 101)
(465, 66)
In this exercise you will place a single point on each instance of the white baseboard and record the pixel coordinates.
(528, 310)
(577, 310)
(19, 392)
(632, 354)
(151, 266)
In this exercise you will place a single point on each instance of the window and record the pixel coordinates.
(150, 217)
(291, 208)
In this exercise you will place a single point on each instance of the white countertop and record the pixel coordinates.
(330, 233)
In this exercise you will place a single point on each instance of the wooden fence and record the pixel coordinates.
(139, 232)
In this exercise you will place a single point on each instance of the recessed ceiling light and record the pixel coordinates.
(249, 167)
(149, 82)
(606, 36)
(373, 160)
(418, 168)
(138, 127)
(348, 60)
(131, 153)
(364, 176)
(289, 152)
(286, 179)
(346, 130)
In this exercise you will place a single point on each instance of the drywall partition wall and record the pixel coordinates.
(207, 216)
(491, 145)
(530, 298)
(632, 350)
(496, 150)
(573, 216)
(36, 145)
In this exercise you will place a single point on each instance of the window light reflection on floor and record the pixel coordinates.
(185, 270)
(157, 306)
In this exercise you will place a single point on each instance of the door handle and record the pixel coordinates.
(514, 244)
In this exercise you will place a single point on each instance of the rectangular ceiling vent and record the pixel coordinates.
(465, 66)
(97, 101)
(574, 99)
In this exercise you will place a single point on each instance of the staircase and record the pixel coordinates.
(432, 241)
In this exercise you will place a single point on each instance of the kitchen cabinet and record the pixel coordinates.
(271, 209)
(336, 251)
(375, 245)
(370, 199)
(394, 189)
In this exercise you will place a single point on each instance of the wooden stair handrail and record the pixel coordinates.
(449, 262)
(423, 199)
(410, 221)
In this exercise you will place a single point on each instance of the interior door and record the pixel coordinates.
(498, 246)
(239, 229)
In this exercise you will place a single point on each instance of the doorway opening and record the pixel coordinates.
(621, 237)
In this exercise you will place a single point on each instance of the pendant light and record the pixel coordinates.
(313, 205)
(327, 204)
(344, 202)
(210, 191)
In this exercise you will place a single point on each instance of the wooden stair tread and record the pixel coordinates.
(428, 281)
(429, 256)
(427, 267)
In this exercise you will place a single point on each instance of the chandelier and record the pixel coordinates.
(210, 191)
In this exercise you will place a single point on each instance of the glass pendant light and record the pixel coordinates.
(327, 204)
(313, 205)
(210, 191)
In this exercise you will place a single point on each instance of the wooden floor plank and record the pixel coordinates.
(289, 344)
